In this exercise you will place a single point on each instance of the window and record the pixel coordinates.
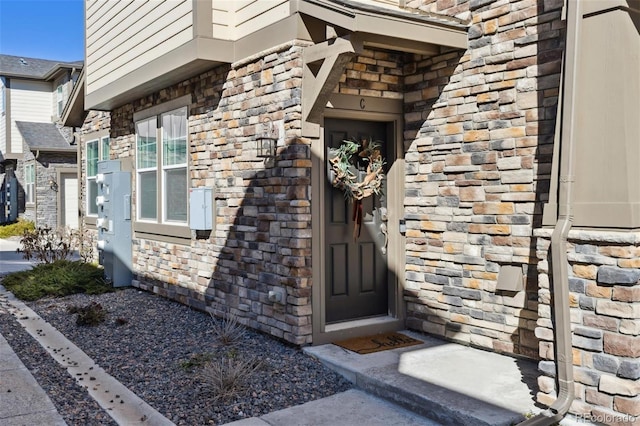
(97, 150)
(162, 167)
(60, 100)
(30, 183)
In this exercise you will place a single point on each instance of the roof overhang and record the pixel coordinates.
(192, 58)
(74, 112)
(70, 150)
(43, 137)
(52, 74)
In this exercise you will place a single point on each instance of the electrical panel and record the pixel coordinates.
(12, 199)
(114, 222)
(201, 209)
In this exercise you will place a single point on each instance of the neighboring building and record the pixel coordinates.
(480, 166)
(38, 160)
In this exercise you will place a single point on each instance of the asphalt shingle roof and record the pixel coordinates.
(43, 136)
(17, 66)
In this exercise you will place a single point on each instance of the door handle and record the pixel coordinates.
(383, 229)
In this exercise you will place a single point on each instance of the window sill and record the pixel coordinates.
(179, 234)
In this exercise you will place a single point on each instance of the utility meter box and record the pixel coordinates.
(12, 199)
(201, 209)
(114, 222)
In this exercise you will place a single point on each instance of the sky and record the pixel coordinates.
(43, 29)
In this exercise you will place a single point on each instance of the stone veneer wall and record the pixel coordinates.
(479, 127)
(44, 212)
(374, 72)
(262, 236)
(604, 281)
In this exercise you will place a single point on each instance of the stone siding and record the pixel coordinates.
(44, 212)
(374, 72)
(479, 129)
(262, 236)
(453, 8)
(604, 284)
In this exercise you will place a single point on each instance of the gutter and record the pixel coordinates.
(560, 273)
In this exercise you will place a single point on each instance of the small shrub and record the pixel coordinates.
(16, 229)
(228, 330)
(89, 315)
(121, 321)
(87, 242)
(225, 378)
(57, 279)
(47, 245)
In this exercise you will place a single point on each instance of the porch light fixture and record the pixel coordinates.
(267, 139)
(53, 185)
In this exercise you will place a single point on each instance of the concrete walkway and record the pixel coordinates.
(22, 400)
(10, 259)
(446, 382)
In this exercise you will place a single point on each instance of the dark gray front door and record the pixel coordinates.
(356, 268)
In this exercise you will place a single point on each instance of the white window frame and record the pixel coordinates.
(156, 115)
(172, 167)
(102, 143)
(30, 183)
(60, 100)
(145, 170)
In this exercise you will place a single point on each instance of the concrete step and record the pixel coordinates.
(446, 382)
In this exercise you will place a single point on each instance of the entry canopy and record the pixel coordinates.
(342, 28)
(386, 26)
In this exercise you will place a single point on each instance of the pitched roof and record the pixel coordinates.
(16, 66)
(43, 136)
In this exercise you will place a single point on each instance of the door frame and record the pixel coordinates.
(366, 109)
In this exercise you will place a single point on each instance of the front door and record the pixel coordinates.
(356, 284)
(69, 198)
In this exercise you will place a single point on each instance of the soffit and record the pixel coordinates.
(74, 113)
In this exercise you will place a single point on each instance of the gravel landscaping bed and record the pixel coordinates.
(156, 347)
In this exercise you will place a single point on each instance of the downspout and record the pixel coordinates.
(561, 310)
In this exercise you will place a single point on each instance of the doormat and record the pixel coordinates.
(378, 342)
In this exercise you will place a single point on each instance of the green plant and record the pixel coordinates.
(228, 329)
(60, 278)
(224, 378)
(16, 229)
(91, 314)
(196, 360)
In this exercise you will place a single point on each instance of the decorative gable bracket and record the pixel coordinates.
(324, 64)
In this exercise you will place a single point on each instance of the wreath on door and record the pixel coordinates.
(357, 168)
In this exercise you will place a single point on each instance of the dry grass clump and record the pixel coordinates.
(228, 330)
(226, 377)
